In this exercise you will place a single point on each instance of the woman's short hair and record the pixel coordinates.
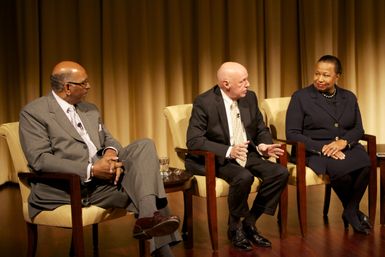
(334, 60)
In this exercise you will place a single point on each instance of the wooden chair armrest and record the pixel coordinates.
(72, 180)
(209, 160)
(369, 138)
(209, 167)
(300, 162)
(371, 148)
(283, 159)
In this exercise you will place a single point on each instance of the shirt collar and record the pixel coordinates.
(228, 101)
(63, 104)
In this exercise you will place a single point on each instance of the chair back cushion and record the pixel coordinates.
(275, 111)
(178, 118)
(10, 132)
(11, 155)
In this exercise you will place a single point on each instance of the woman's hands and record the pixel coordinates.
(334, 149)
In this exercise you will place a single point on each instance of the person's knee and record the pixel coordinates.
(282, 173)
(145, 143)
(245, 180)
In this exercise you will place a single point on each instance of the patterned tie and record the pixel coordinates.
(77, 123)
(239, 136)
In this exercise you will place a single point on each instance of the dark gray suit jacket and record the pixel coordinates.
(313, 120)
(208, 128)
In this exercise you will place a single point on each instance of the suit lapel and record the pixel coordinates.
(245, 113)
(322, 103)
(62, 119)
(222, 116)
(341, 103)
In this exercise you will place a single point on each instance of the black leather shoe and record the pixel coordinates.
(239, 240)
(354, 221)
(364, 220)
(157, 225)
(254, 237)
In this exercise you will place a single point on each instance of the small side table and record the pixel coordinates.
(174, 183)
(381, 164)
(183, 182)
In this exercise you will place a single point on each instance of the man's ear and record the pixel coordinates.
(226, 84)
(67, 89)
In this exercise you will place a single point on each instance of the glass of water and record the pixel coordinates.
(164, 163)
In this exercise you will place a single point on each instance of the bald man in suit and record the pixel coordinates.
(61, 132)
(211, 128)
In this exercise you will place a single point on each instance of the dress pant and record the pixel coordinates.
(274, 179)
(141, 178)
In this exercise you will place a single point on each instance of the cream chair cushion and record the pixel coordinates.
(275, 111)
(178, 117)
(61, 216)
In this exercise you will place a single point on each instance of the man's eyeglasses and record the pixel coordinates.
(83, 84)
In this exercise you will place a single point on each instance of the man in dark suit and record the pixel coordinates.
(227, 121)
(60, 132)
(327, 119)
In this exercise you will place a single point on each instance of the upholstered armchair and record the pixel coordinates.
(302, 176)
(209, 186)
(66, 216)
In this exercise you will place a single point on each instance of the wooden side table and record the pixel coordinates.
(183, 182)
(174, 183)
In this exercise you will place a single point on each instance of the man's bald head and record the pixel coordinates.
(66, 71)
(69, 81)
(227, 71)
(233, 79)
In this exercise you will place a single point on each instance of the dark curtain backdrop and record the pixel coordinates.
(142, 55)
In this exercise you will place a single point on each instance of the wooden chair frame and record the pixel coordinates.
(211, 203)
(77, 242)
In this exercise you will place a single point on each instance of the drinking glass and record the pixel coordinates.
(164, 163)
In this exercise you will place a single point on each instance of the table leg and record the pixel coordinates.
(187, 229)
(382, 192)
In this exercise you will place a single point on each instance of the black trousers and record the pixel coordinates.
(274, 179)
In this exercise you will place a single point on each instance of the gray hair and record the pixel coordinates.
(58, 81)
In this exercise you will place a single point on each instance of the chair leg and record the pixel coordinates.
(328, 190)
(372, 193)
(95, 237)
(187, 228)
(77, 242)
(32, 239)
(282, 214)
(301, 205)
(212, 221)
(142, 248)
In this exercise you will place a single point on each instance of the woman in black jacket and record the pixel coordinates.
(327, 119)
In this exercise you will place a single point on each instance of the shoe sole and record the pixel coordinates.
(161, 229)
(242, 249)
(261, 245)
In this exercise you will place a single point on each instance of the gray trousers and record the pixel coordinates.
(141, 178)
